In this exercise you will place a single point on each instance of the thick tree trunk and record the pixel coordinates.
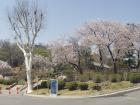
(138, 65)
(101, 60)
(115, 66)
(113, 59)
(28, 64)
(29, 81)
(80, 70)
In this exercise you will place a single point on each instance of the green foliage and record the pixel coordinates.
(41, 51)
(44, 84)
(1, 81)
(132, 56)
(97, 87)
(10, 53)
(83, 86)
(86, 58)
(71, 85)
(7, 82)
(61, 84)
(91, 84)
(85, 77)
(115, 77)
(3, 55)
(21, 82)
(134, 77)
(71, 76)
(98, 78)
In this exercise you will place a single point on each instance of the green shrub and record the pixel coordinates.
(115, 77)
(91, 84)
(71, 76)
(98, 78)
(1, 81)
(44, 84)
(21, 82)
(86, 76)
(97, 87)
(71, 85)
(12, 81)
(61, 84)
(8, 82)
(134, 78)
(83, 86)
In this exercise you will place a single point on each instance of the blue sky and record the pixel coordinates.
(64, 16)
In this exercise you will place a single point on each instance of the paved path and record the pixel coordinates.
(126, 99)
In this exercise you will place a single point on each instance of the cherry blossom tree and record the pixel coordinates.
(73, 54)
(92, 35)
(26, 20)
(4, 67)
(111, 35)
(67, 52)
(40, 62)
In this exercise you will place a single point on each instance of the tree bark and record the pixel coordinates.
(101, 60)
(138, 65)
(26, 23)
(28, 65)
(115, 66)
(77, 67)
(113, 59)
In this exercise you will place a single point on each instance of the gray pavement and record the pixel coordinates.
(132, 98)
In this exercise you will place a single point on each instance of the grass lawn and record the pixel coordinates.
(64, 92)
(107, 87)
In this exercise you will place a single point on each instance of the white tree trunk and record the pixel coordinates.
(28, 64)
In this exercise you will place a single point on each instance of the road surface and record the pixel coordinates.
(132, 98)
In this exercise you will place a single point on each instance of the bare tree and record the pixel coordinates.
(26, 20)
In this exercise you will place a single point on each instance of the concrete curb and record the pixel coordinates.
(113, 94)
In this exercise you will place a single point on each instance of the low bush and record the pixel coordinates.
(44, 84)
(134, 78)
(84, 77)
(8, 82)
(71, 85)
(21, 82)
(98, 78)
(61, 84)
(91, 84)
(97, 87)
(115, 77)
(1, 81)
(83, 86)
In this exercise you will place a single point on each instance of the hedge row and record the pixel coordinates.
(69, 85)
(134, 77)
(7, 82)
